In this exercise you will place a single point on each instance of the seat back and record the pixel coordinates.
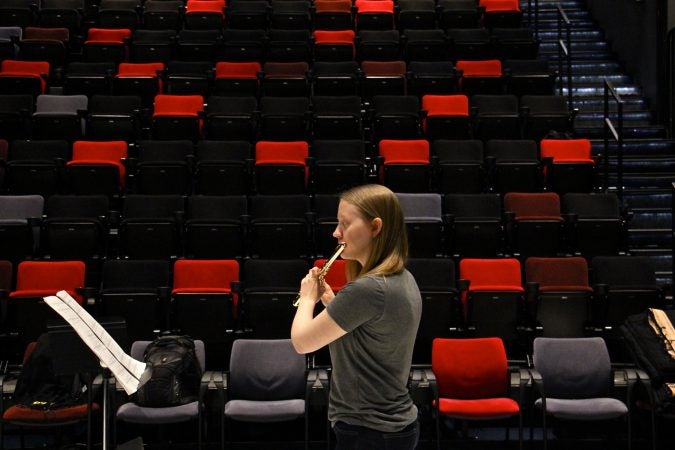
(16, 209)
(108, 156)
(404, 151)
(566, 150)
(473, 206)
(475, 227)
(491, 274)
(592, 206)
(470, 368)
(573, 368)
(534, 206)
(623, 271)
(558, 274)
(39, 278)
(280, 167)
(266, 370)
(204, 275)
(441, 310)
(134, 276)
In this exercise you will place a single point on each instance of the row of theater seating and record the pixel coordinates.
(284, 79)
(268, 381)
(273, 118)
(289, 226)
(481, 297)
(199, 14)
(117, 45)
(274, 167)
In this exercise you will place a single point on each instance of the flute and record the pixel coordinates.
(324, 270)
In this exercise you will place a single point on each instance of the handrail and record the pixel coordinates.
(617, 135)
(672, 249)
(565, 46)
(533, 24)
(670, 82)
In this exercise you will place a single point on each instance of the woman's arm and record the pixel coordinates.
(309, 333)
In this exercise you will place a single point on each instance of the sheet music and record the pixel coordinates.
(127, 371)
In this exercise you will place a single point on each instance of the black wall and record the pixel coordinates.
(636, 32)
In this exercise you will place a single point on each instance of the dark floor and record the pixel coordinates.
(289, 437)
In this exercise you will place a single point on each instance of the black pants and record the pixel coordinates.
(354, 437)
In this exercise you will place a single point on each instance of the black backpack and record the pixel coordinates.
(38, 387)
(175, 372)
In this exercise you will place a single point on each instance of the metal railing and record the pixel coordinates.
(672, 248)
(565, 52)
(670, 83)
(533, 23)
(617, 135)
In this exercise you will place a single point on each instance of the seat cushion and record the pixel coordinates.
(489, 408)
(265, 411)
(23, 414)
(131, 412)
(600, 408)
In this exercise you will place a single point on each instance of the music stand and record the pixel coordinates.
(71, 355)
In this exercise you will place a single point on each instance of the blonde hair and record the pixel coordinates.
(390, 246)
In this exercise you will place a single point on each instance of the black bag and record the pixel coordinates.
(38, 387)
(649, 353)
(175, 373)
(647, 348)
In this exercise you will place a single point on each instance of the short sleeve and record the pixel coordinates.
(357, 303)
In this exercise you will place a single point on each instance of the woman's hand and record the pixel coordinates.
(310, 288)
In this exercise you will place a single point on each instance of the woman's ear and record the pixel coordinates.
(377, 226)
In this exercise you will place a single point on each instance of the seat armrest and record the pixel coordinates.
(429, 378)
(537, 381)
(519, 378)
(310, 379)
(317, 381)
(205, 382)
(2, 393)
(222, 384)
(625, 378)
(643, 377)
(463, 284)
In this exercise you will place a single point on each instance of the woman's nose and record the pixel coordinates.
(336, 233)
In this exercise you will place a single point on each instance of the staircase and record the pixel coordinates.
(649, 156)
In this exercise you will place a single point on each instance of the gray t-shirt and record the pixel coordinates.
(371, 363)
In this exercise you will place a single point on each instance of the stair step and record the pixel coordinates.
(638, 132)
(551, 46)
(571, 11)
(648, 198)
(661, 259)
(628, 116)
(598, 104)
(593, 67)
(656, 238)
(637, 147)
(578, 55)
(644, 180)
(598, 89)
(643, 164)
(652, 219)
(565, 4)
(614, 78)
(550, 22)
(575, 35)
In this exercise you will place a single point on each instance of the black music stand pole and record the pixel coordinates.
(106, 408)
(71, 356)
